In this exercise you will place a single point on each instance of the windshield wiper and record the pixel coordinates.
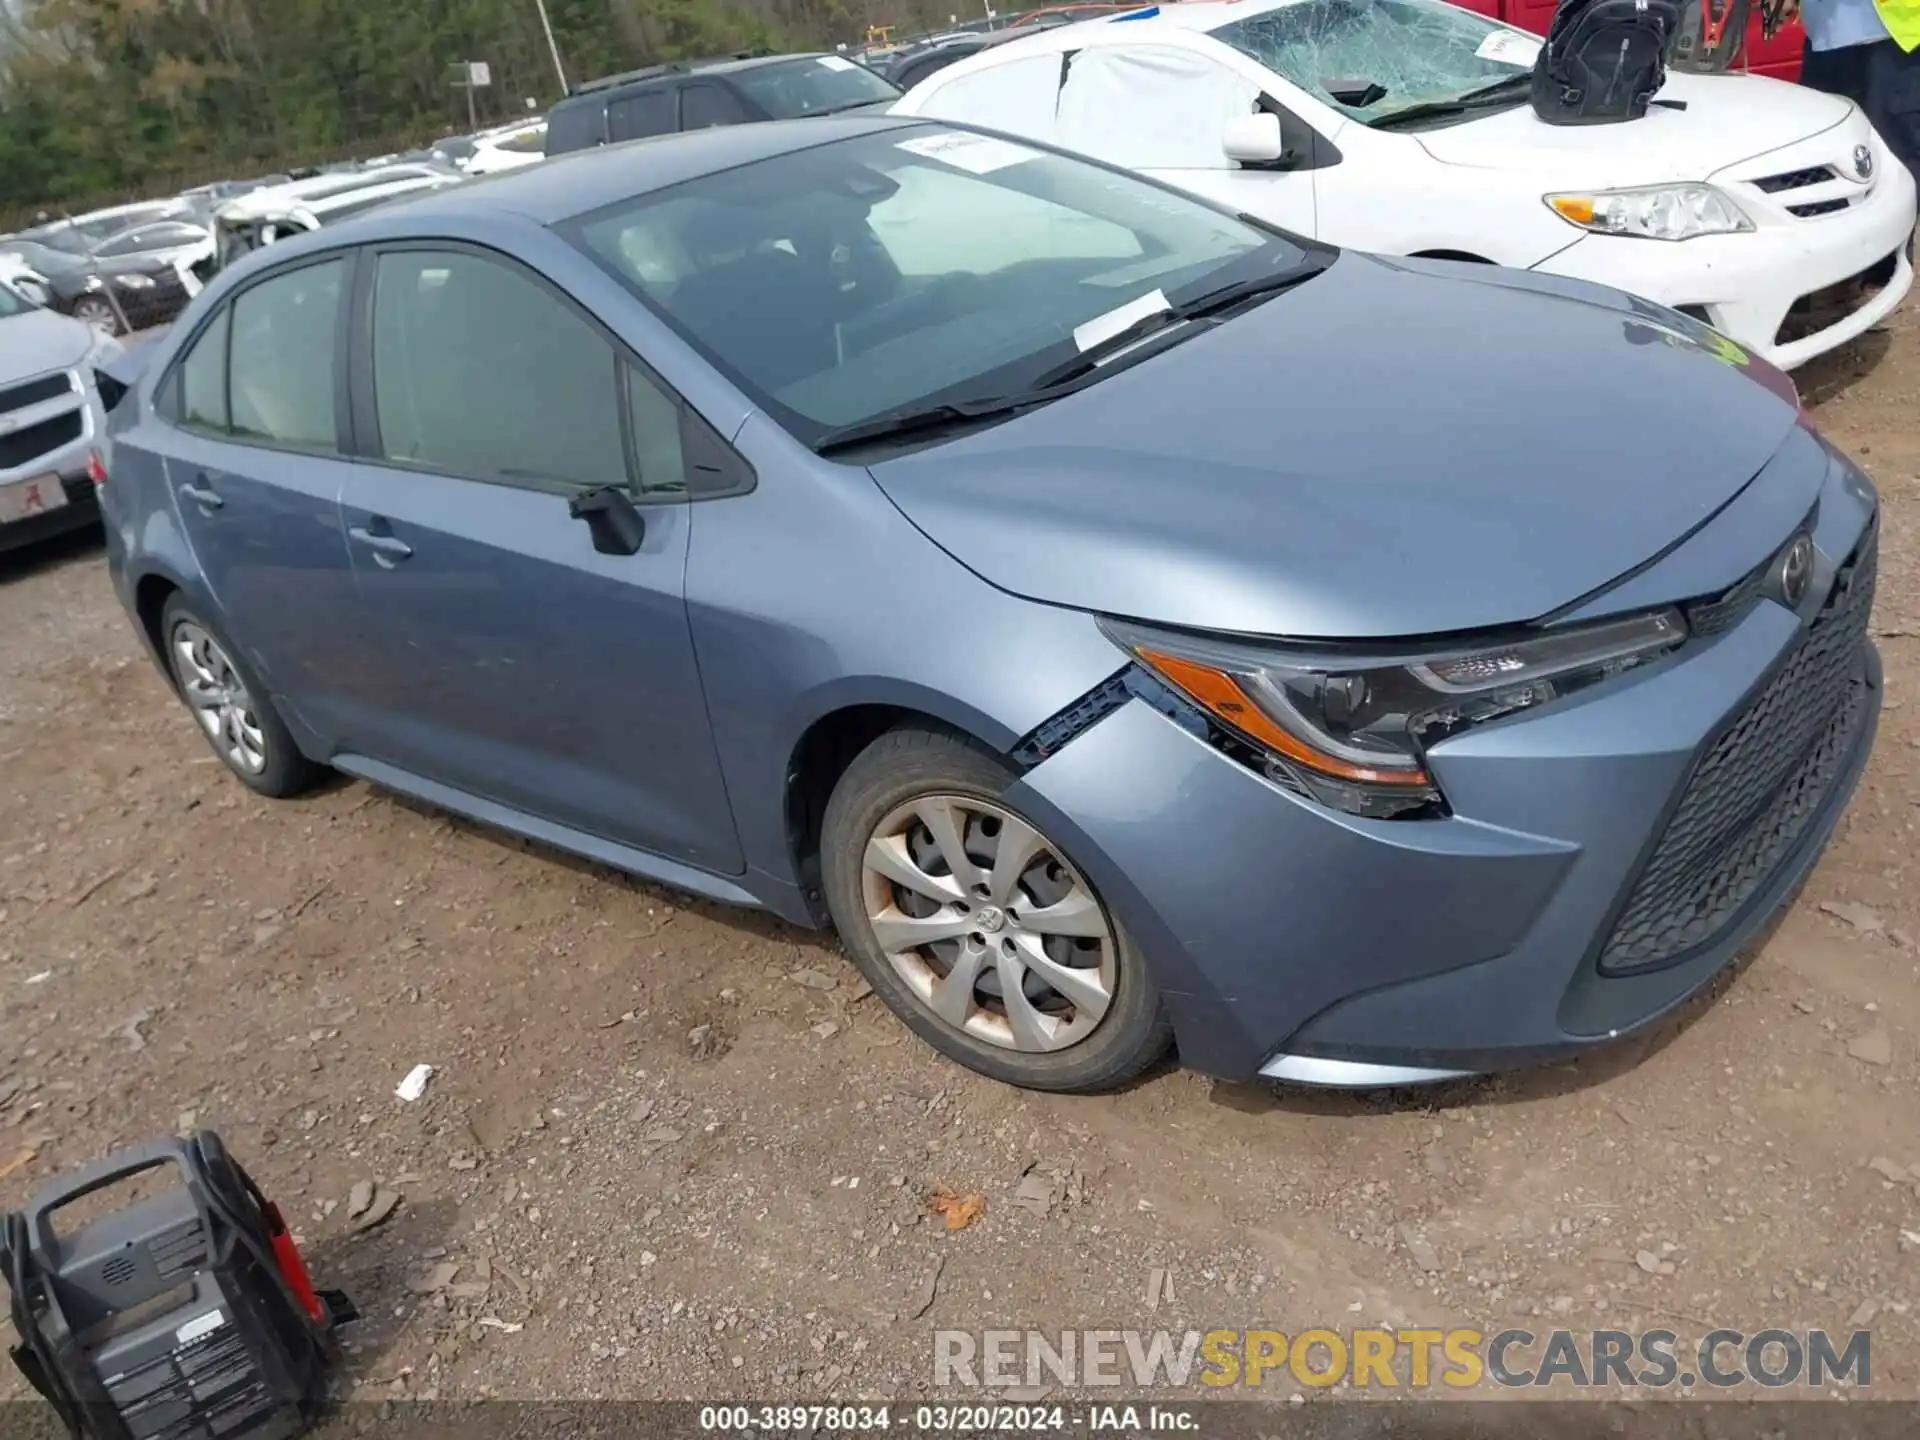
(1070, 375)
(1502, 92)
(923, 418)
(1207, 303)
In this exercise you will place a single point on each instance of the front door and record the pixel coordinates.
(522, 665)
(1163, 110)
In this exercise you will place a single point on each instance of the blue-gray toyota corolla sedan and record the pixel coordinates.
(1122, 621)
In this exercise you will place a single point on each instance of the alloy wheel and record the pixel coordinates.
(990, 926)
(219, 698)
(99, 314)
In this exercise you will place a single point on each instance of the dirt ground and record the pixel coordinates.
(637, 1214)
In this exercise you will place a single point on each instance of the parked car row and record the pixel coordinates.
(1772, 212)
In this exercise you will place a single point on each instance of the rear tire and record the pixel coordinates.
(232, 708)
(1016, 928)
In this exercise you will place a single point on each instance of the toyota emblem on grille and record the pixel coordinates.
(1863, 162)
(1796, 568)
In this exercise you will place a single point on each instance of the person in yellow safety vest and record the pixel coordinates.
(1869, 52)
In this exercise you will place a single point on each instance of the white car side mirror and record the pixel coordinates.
(1254, 139)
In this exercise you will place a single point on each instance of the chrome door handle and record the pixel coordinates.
(198, 492)
(387, 549)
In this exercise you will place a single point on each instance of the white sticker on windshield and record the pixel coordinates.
(1508, 47)
(976, 154)
(836, 62)
(1103, 328)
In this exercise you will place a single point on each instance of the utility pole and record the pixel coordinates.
(559, 70)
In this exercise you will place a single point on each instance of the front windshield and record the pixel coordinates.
(817, 85)
(1419, 52)
(912, 267)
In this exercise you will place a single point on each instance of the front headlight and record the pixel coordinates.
(1655, 212)
(1353, 733)
(134, 282)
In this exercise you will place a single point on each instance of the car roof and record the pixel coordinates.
(586, 180)
(610, 85)
(1197, 16)
(269, 199)
(391, 189)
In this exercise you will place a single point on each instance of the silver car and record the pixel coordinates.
(52, 420)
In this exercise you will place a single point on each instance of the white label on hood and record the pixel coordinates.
(976, 154)
(1508, 47)
(836, 62)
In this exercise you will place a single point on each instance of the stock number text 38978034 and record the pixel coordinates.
(961, 1419)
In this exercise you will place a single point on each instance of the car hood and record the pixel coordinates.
(1727, 119)
(1395, 448)
(39, 341)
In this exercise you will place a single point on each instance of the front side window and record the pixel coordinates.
(844, 281)
(281, 388)
(479, 371)
(1419, 52)
(704, 106)
(1151, 107)
(815, 85)
(12, 303)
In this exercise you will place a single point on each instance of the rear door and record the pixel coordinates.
(523, 666)
(251, 434)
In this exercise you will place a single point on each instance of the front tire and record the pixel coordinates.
(98, 313)
(976, 928)
(234, 713)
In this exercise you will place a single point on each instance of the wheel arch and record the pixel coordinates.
(150, 592)
(843, 723)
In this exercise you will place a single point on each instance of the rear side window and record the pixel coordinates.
(643, 113)
(203, 378)
(576, 126)
(479, 371)
(284, 329)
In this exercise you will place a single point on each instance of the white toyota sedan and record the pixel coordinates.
(1772, 212)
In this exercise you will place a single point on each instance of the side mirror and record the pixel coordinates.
(1255, 140)
(612, 519)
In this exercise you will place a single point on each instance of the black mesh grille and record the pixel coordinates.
(1818, 207)
(35, 392)
(1796, 179)
(1754, 792)
(1716, 616)
(24, 446)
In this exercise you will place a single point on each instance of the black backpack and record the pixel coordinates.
(1603, 60)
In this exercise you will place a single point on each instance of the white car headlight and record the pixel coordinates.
(134, 281)
(1653, 212)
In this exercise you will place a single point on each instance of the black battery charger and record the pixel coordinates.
(186, 1315)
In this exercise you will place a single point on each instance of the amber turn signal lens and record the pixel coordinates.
(1220, 695)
